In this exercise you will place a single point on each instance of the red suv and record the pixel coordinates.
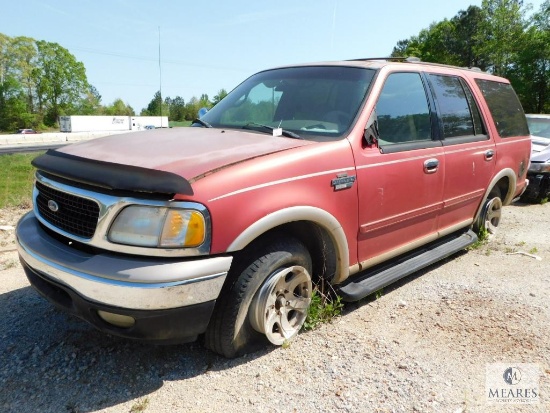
(356, 173)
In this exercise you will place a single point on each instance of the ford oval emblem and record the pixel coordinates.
(53, 205)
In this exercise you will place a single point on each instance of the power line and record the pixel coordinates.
(152, 59)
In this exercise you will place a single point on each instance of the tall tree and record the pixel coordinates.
(25, 53)
(11, 96)
(466, 42)
(500, 33)
(119, 108)
(156, 107)
(221, 94)
(90, 104)
(60, 80)
(497, 38)
(530, 73)
(177, 109)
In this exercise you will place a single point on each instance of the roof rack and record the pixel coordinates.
(396, 59)
(413, 59)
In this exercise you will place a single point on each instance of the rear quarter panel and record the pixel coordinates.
(512, 153)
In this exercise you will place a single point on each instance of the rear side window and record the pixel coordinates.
(457, 108)
(505, 108)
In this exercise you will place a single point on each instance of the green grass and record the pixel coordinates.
(482, 239)
(140, 406)
(323, 308)
(174, 124)
(16, 180)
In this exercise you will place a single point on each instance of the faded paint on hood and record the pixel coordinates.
(189, 152)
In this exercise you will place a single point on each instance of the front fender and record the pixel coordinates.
(300, 213)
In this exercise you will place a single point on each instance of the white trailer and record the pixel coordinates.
(78, 123)
(148, 122)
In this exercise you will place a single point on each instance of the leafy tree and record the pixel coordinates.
(119, 108)
(204, 101)
(156, 107)
(25, 53)
(500, 33)
(465, 43)
(449, 41)
(177, 109)
(90, 104)
(496, 38)
(60, 80)
(12, 104)
(193, 105)
(530, 74)
(221, 94)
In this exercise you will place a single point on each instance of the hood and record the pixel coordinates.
(161, 160)
(541, 156)
(189, 152)
(538, 143)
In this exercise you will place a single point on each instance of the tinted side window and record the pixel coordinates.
(457, 108)
(402, 110)
(505, 108)
(479, 126)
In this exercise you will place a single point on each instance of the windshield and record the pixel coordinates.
(539, 126)
(317, 103)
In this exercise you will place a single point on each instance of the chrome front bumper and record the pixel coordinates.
(122, 281)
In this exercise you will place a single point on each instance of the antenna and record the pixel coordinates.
(160, 83)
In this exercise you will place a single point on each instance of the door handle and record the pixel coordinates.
(431, 165)
(489, 154)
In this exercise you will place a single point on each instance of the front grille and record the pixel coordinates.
(75, 215)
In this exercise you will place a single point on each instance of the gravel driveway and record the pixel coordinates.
(423, 346)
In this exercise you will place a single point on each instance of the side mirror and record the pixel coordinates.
(202, 112)
(371, 134)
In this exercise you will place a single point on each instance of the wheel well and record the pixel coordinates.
(503, 190)
(315, 238)
(503, 187)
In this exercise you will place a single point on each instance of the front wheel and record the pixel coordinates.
(266, 298)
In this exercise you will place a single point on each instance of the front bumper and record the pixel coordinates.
(170, 299)
(538, 188)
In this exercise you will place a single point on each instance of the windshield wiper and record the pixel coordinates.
(287, 133)
(202, 122)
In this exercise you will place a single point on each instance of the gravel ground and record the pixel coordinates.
(422, 346)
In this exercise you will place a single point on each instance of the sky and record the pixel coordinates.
(205, 46)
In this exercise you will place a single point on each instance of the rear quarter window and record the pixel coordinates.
(505, 108)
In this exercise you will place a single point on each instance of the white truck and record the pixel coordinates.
(78, 123)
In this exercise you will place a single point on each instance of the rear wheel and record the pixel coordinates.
(266, 299)
(490, 216)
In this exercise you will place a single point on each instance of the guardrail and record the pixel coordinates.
(16, 140)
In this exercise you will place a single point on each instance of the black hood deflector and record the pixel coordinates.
(111, 176)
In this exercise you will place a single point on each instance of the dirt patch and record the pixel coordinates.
(423, 346)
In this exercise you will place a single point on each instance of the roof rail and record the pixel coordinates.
(390, 58)
(413, 59)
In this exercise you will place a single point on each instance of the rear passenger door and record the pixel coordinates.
(469, 152)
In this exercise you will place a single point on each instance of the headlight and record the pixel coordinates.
(162, 227)
(538, 167)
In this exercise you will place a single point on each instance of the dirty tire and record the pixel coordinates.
(232, 331)
(491, 214)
